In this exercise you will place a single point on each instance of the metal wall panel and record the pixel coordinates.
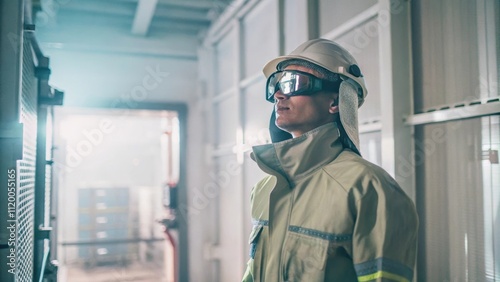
(363, 43)
(260, 37)
(231, 241)
(224, 65)
(336, 12)
(295, 28)
(257, 114)
(226, 120)
(445, 45)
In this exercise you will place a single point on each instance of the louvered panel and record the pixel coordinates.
(26, 168)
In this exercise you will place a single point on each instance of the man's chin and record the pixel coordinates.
(283, 126)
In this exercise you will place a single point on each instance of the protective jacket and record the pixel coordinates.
(325, 214)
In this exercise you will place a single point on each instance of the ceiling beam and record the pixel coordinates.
(121, 50)
(197, 16)
(177, 25)
(191, 4)
(143, 16)
(99, 7)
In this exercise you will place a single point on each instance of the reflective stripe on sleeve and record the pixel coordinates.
(383, 268)
(382, 274)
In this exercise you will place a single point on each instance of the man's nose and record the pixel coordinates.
(279, 95)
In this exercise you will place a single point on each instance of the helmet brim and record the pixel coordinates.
(272, 65)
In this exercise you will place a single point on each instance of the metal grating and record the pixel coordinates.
(26, 168)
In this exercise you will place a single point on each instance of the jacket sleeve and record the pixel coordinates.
(385, 233)
(247, 276)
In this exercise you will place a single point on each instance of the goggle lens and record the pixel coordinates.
(293, 83)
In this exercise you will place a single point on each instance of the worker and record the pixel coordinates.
(323, 213)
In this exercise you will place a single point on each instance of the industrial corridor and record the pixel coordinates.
(166, 140)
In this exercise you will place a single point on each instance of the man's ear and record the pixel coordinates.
(333, 109)
(334, 106)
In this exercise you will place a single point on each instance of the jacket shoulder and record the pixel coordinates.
(353, 172)
(263, 185)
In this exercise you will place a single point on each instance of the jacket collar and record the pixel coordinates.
(296, 158)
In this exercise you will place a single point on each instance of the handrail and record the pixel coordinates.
(46, 252)
(111, 241)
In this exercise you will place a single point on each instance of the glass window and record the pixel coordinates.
(458, 200)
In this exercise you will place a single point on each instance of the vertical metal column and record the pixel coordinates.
(241, 134)
(313, 19)
(47, 97)
(182, 197)
(396, 91)
(38, 244)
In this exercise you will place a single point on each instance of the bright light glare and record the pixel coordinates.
(71, 127)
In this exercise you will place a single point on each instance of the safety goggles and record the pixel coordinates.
(295, 83)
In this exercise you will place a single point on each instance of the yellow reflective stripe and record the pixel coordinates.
(382, 274)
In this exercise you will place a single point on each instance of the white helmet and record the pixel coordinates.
(329, 55)
(334, 58)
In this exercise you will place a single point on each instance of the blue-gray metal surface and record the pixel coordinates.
(26, 168)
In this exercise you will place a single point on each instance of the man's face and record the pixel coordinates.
(299, 114)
